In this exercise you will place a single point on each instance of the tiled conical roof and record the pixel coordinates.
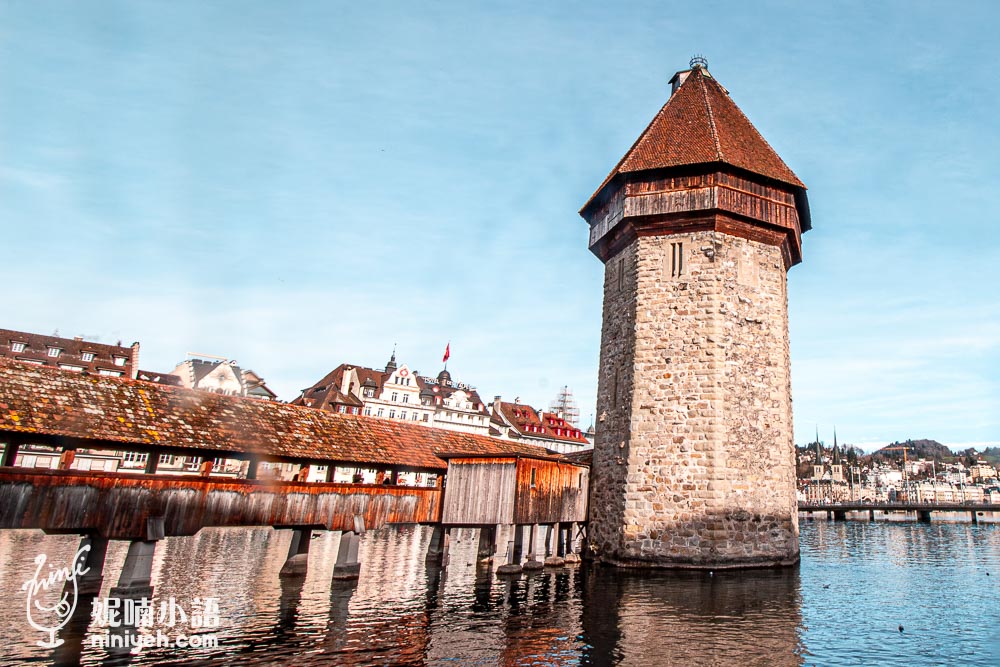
(700, 124)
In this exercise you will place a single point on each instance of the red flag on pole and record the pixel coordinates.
(447, 352)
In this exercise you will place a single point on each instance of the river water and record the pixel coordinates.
(857, 585)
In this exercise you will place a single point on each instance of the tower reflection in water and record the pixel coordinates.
(743, 618)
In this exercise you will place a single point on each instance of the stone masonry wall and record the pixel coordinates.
(694, 460)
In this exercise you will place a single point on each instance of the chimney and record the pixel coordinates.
(135, 360)
(345, 381)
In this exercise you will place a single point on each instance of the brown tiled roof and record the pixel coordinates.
(523, 417)
(72, 349)
(700, 124)
(120, 412)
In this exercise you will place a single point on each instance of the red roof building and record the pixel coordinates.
(70, 354)
(516, 421)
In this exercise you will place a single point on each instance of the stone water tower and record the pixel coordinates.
(694, 463)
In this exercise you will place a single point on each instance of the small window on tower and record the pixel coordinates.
(621, 274)
(676, 260)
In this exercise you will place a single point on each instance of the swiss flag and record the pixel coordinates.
(447, 352)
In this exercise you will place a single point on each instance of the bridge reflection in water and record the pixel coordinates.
(402, 612)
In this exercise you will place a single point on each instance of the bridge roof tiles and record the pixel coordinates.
(105, 411)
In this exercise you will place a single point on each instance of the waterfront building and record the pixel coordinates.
(70, 354)
(517, 421)
(697, 225)
(401, 394)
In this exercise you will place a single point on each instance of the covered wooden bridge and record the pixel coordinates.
(71, 412)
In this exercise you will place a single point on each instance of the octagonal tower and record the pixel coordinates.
(697, 226)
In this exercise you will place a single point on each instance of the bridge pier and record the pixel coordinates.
(137, 572)
(975, 518)
(514, 549)
(437, 550)
(871, 515)
(347, 565)
(924, 516)
(487, 543)
(297, 561)
(92, 560)
(839, 515)
(533, 546)
(553, 546)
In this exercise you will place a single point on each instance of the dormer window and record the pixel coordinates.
(119, 361)
(17, 347)
(87, 356)
(54, 352)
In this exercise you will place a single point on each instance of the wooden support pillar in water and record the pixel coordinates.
(135, 578)
(347, 566)
(487, 543)
(533, 563)
(90, 562)
(553, 539)
(298, 554)
(871, 515)
(975, 518)
(437, 550)
(512, 564)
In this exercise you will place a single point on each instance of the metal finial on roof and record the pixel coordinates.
(698, 61)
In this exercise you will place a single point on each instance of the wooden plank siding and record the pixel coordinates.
(550, 492)
(480, 492)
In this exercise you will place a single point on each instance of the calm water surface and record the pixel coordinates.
(857, 583)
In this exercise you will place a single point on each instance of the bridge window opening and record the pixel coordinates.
(134, 457)
(166, 459)
(533, 471)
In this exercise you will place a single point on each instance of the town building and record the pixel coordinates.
(517, 421)
(401, 394)
(221, 376)
(70, 354)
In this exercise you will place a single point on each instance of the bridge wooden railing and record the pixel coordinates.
(125, 506)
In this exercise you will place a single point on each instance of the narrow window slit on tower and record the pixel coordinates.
(676, 259)
(621, 273)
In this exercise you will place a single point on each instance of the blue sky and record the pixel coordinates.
(295, 185)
